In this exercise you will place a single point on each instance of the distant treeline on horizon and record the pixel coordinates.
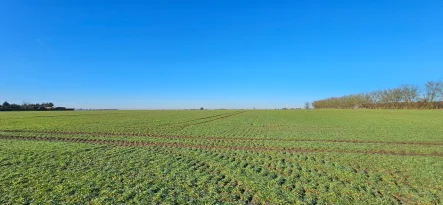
(46, 106)
(429, 96)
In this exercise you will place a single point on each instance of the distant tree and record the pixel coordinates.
(429, 96)
(440, 89)
(201, 108)
(48, 104)
(6, 104)
(307, 105)
(14, 106)
(26, 105)
(433, 91)
(410, 93)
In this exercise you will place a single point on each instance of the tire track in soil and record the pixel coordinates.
(104, 134)
(203, 118)
(211, 120)
(182, 145)
(181, 126)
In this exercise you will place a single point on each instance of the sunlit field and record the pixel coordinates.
(220, 156)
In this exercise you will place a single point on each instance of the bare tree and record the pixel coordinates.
(405, 96)
(390, 95)
(307, 105)
(410, 93)
(433, 91)
(374, 96)
(440, 90)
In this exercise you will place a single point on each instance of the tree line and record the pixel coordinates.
(429, 96)
(29, 106)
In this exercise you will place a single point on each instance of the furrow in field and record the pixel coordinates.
(226, 138)
(203, 118)
(182, 125)
(211, 120)
(295, 174)
(184, 145)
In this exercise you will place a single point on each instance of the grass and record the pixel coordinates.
(224, 156)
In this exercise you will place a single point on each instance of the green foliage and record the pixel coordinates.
(223, 156)
(6, 104)
(26, 106)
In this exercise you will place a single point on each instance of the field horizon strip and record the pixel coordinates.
(184, 145)
(222, 156)
(99, 134)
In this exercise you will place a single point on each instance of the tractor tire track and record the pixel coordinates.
(183, 145)
(193, 120)
(211, 120)
(104, 134)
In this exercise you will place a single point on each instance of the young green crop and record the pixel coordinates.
(224, 156)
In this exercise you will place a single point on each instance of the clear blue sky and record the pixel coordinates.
(230, 54)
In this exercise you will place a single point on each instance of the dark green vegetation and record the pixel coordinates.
(430, 96)
(257, 157)
(49, 106)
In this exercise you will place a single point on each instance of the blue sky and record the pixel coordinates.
(213, 54)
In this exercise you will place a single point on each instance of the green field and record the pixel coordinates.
(223, 156)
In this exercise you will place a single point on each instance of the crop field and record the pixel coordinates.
(222, 156)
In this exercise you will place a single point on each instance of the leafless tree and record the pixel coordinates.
(406, 96)
(433, 91)
(410, 93)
